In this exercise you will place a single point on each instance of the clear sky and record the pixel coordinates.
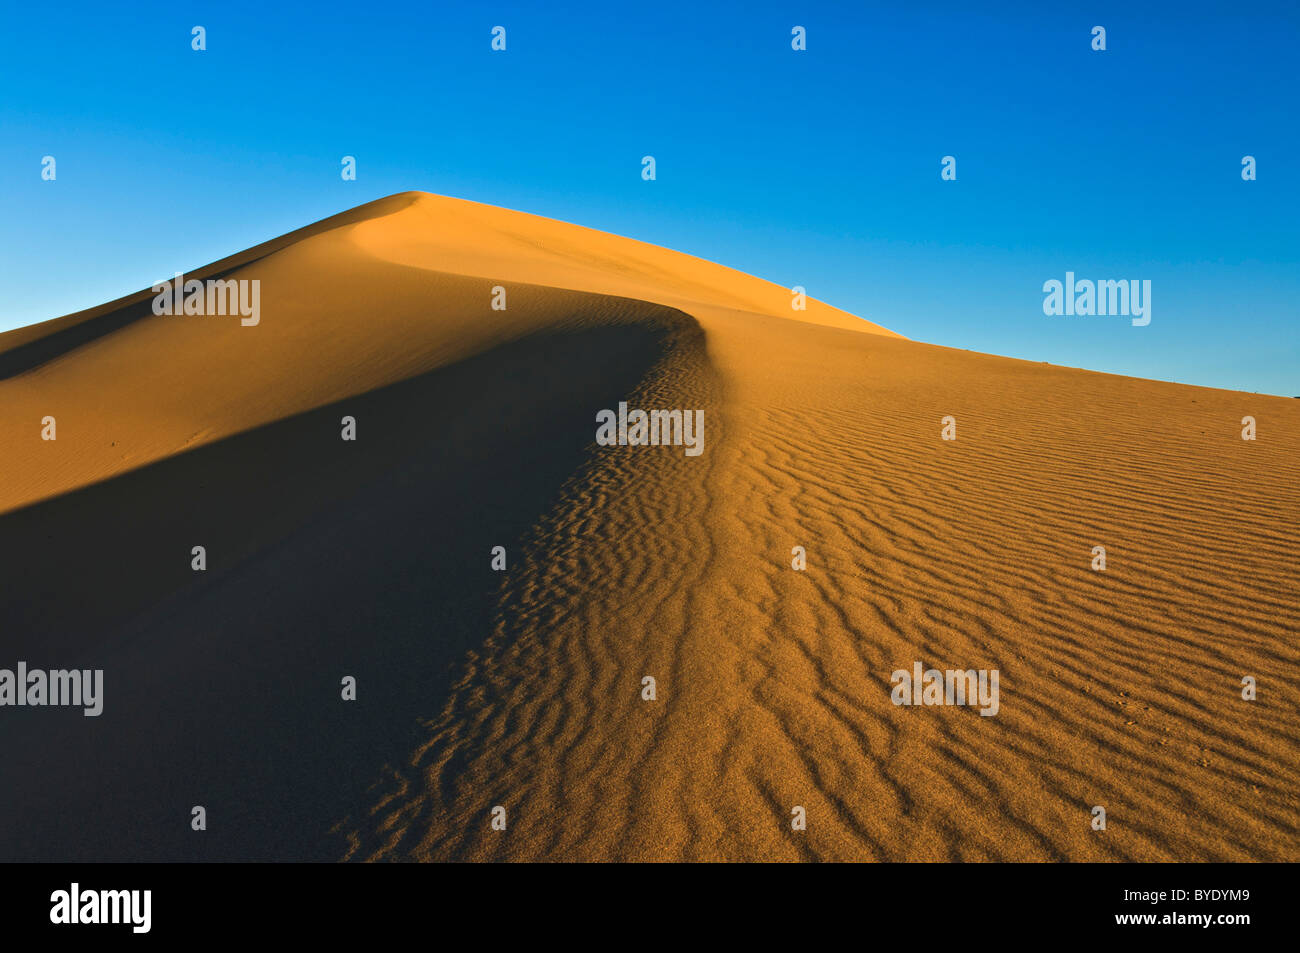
(818, 168)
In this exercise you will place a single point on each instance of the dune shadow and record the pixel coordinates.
(325, 559)
(95, 324)
(26, 357)
(62, 335)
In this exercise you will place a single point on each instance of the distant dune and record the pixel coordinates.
(522, 689)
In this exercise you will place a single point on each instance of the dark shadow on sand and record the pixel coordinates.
(26, 357)
(325, 558)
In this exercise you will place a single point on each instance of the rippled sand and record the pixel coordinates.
(523, 689)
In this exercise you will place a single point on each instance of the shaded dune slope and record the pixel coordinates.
(326, 558)
(523, 689)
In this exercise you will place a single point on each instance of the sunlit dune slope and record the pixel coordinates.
(369, 297)
(524, 689)
(1119, 689)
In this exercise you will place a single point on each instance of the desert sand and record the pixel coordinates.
(523, 689)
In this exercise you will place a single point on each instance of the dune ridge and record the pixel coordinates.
(325, 284)
(1119, 688)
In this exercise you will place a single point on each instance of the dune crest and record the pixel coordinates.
(337, 323)
(470, 238)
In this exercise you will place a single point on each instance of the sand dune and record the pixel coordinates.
(522, 689)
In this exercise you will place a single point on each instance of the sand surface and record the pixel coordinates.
(522, 689)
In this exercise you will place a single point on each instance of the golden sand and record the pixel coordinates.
(1119, 688)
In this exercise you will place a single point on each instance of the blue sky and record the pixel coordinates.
(818, 168)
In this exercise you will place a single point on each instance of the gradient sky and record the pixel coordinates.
(818, 168)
